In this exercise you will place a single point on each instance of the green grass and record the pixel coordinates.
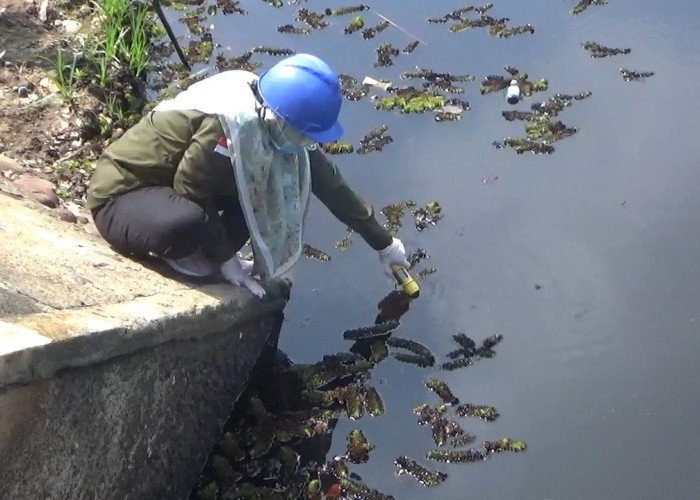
(118, 48)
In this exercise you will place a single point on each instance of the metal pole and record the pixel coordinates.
(168, 29)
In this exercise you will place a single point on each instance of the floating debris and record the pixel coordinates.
(488, 413)
(346, 10)
(338, 148)
(408, 49)
(427, 216)
(293, 30)
(237, 62)
(584, 4)
(372, 331)
(355, 25)
(629, 75)
(421, 474)
(312, 19)
(262, 49)
(369, 33)
(374, 404)
(411, 100)
(496, 83)
(442, 390)
(457, 456)
(351, 90)
(504, 444)
(315, 253)
(358, 447)
(375, 140)
(598, 51)
(385, 85)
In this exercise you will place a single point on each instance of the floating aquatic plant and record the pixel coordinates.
(598, 51)
(192, 20)
(497, 83)
(355, 25)
(427, 216)
(350, 89)
(385, 52)
(358, 447)
(275, 3)
(421, 474)
(344, 243)
(200, 51)
(411, 100)
(341, 11)
(457, 456)
(372, 331)
(293, 30)
(337, 148)
(629, 75)
(413, 359)
(394, 214)
(497, 26)
(504, 444)
(263, 49)
(408, 49)
(426, 272)
(242, 62)
(230, 7)
(435, 80)
(488, 413)
(312, 19)
(584, 4)
(414, 347)
(442, 390)
(374, 404)
(462, 357)
(375, 140)
(541, 130)
(315, 253)
(371, 32)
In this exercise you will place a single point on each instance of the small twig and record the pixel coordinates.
(75, 153)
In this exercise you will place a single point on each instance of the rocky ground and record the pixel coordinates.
(47, 145)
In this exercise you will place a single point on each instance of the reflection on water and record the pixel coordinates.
(584, 260)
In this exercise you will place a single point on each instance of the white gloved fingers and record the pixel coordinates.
(393, 255)
(254, 287)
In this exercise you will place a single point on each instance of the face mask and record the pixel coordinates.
(286, 139)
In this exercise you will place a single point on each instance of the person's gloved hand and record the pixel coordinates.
(234, 274)
(393, 255)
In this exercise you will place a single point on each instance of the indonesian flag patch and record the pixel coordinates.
(222, 147)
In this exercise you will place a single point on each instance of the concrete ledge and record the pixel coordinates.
(116, 377)
(36, 346)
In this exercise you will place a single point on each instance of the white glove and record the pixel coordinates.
(234, 274)
(393, 255)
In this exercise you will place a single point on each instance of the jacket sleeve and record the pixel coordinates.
(196, 180)
(348, 207)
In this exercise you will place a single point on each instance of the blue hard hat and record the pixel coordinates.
(305, 92)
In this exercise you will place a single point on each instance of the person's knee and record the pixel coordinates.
(187, 225)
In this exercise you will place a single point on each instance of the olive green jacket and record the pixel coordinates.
(179, 149)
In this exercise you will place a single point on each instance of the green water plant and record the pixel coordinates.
(374, 140)
(423, 475)
(411, 100)
(596, 50)
(582, 5)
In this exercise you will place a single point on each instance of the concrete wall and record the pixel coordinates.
(137, 426)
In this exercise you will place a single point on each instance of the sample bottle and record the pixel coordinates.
(513, 92)
(403, 278)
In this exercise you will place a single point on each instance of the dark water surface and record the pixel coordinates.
(598, 368)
